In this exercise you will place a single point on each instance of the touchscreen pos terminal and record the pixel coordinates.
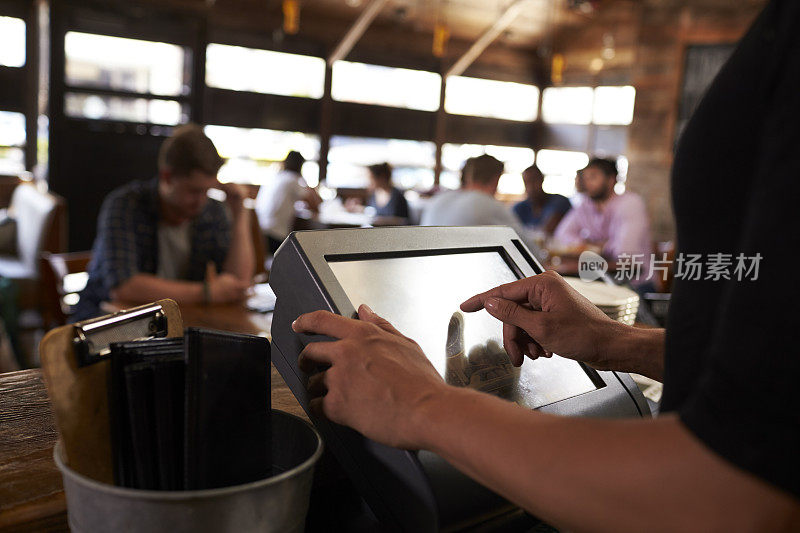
(416, 277)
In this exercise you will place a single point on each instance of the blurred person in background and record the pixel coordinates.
(466, 170)
(540, 210)
(275, 200)
(474, 204)
(615, 224)
(165, 238)
(384, 199)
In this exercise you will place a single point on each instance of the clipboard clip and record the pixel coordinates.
(93, 338)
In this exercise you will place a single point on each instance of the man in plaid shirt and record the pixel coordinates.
(165, 238)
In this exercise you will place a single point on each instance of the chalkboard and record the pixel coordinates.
(703, 62)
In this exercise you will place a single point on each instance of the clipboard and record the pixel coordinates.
(75, 366)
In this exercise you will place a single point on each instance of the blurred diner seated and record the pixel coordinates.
(475, 203)
(165, 238)
(384, 199)
(540, 210)
(606, 222)
(275, 200)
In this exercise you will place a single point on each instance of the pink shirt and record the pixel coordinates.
(623, 225)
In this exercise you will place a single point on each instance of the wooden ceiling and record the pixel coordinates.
(466, 19)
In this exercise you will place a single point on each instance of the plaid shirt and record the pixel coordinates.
(127, 242)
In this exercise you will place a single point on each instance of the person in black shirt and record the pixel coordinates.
(386, 199)
(724, 454)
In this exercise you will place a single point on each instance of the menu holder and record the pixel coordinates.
(75, 366)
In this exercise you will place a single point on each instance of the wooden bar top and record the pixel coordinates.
(31, 492)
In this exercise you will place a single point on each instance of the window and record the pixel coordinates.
(254, 155)
(490, 98)
(567, 105)
(123, 108)
(263, 71)
(516, 160)
(12, 42)
(104, 62)
(12, 142)
(126, 66)
(412, 161)
(387, 86)
(559, 168)
(605, 105)
(614, 105)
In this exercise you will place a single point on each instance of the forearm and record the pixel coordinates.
(632, 349)
(144, 288)
(241, 257)
(599, 475)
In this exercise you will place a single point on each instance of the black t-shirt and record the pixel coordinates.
(732, 368)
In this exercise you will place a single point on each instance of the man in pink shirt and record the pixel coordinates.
(616, 223)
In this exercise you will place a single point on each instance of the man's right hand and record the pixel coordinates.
(543, 315)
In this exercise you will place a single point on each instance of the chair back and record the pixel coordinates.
(54, 269)
(34, 212)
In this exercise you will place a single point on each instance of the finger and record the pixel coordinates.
(317, 406)
(535, 350)
(513, 348)
(318, 384)
(368, 315)
(523, 290)
(315, 354)
(326, 323)
(516, 290)
(510, 312)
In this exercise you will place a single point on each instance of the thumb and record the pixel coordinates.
(368, 315)
(509, 312)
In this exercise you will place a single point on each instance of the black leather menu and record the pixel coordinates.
(228, 409)
(191, 412)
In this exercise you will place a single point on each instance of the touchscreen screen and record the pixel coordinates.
(420, 296)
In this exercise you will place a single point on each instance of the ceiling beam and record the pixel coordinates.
(356, 31)
(483, 42)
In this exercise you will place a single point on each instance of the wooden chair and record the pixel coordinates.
(55, 270)
(41, 226)
(259, 246)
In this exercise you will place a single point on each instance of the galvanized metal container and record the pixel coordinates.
(277, 503)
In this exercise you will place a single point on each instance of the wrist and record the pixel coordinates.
(639, 350)
(428, 422)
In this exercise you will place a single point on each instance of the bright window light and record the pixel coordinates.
(12, 141)
(120, 64)
(614, 105)
(567, 105)
(12, 129)
(515, 158)
(254, 155)
(263, 71)
(559, 168)
(491, 98)
(12, 42)
(387, 86)
(412, 161)
(123, 108)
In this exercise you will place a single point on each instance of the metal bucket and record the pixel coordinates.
(277, 503)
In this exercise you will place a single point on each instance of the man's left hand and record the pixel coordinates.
(379, 382)
(234, 197)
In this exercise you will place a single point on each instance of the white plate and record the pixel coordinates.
(605, 296)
